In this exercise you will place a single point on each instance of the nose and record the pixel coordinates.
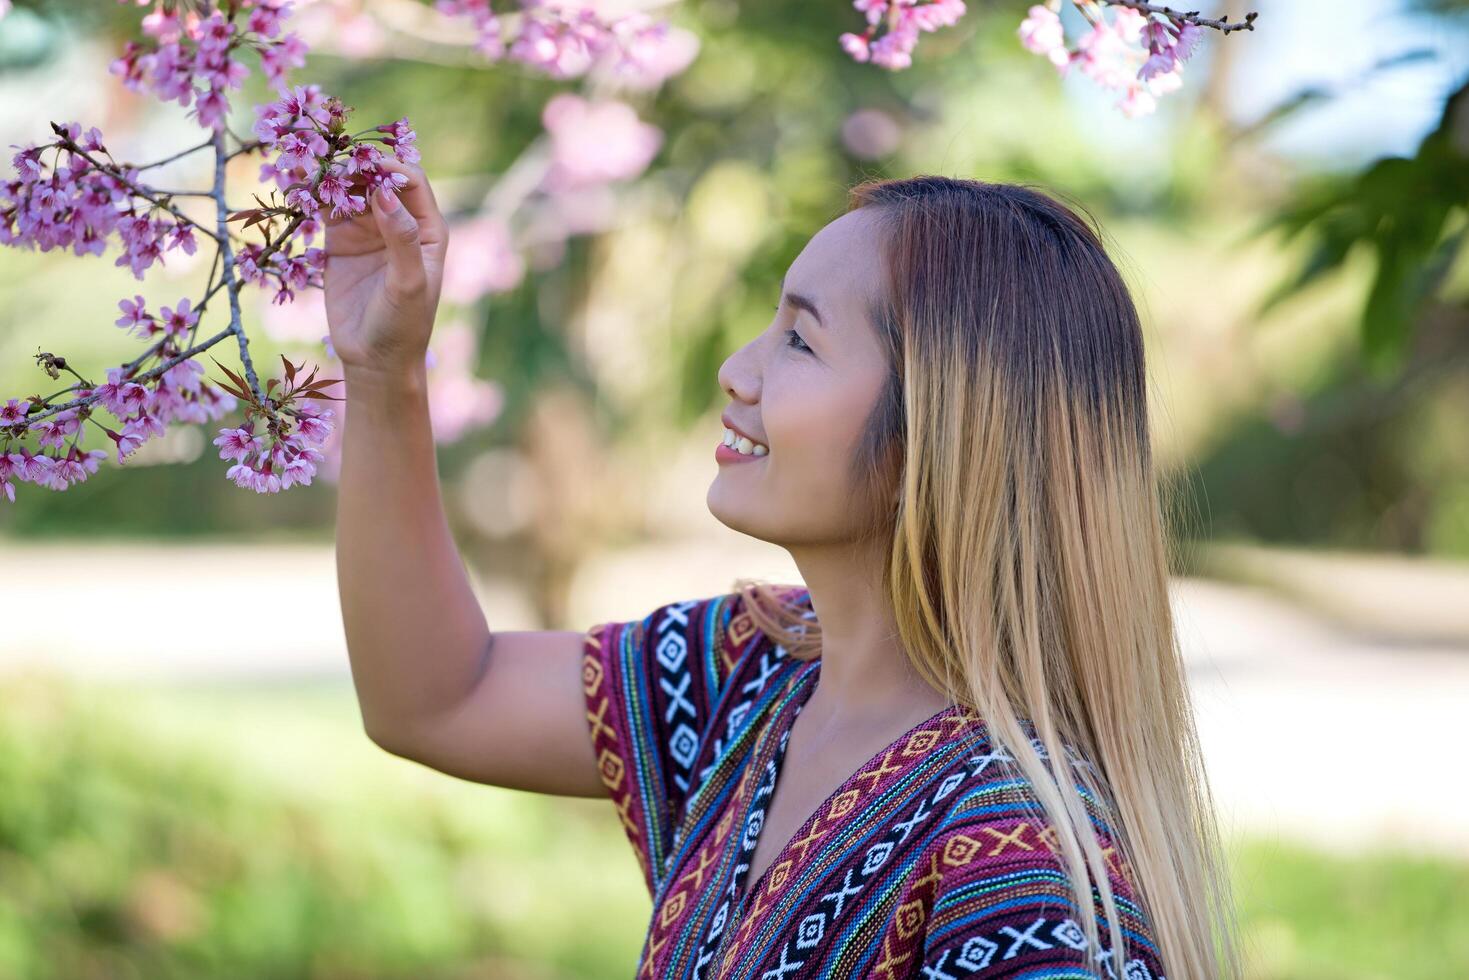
(740, 374)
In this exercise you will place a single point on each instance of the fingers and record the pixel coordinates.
(399, 229)
(416, 195)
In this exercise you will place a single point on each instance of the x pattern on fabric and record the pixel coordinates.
(931, 861)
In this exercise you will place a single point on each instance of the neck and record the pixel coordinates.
(864, 674)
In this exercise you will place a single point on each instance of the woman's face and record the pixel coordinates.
(805, 388)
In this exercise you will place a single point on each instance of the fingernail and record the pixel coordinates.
(387, 199)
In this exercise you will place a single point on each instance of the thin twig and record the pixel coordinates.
(1191, 16)
(228, 269)
(168, 159)
(148, 375)
(249, 147)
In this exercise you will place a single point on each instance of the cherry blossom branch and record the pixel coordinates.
(246, 147)
(112, 170)
(228, 263)
(227, 280)
(1139, 51)
(1223, 25)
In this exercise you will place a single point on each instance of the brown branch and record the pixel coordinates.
(168, 159)
(1190, 17)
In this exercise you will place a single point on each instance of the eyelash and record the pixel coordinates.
(791, 335)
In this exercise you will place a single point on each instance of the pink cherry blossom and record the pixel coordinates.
(121, 398)
(903, 21)
(266, 19)
(237, 444)
(1041, 30)
(1134, 52)
(179, 320)
(279, 57)
(400, 138)
(54, 431)
(596, 142)
(1188, 39)
(569, 40)
(12, 413)
(134, 315)
(855, 45)
(127, 441)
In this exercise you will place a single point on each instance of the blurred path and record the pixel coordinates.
(1311, 729)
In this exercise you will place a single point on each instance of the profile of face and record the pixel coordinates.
(804, 388)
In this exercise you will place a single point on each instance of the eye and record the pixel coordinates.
(793, 339)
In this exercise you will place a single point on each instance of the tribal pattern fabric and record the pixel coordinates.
(930, 861)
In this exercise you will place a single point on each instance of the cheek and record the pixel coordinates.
(813, 426)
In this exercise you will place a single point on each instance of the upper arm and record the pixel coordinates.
(522, 726)
(617, 708)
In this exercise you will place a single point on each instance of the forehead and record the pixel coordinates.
(841, 266)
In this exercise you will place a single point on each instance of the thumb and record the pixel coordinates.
(399, 230)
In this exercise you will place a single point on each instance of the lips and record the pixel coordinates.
(729, 424)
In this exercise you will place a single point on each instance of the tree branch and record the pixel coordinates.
(1190, 17)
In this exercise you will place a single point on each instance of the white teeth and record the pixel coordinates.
(742, 445)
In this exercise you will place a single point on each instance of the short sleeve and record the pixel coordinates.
(651, 688)
(1002, 906)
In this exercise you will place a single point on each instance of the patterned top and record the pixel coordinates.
(928, 862)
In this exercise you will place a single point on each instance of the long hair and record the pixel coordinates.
(1008, 468)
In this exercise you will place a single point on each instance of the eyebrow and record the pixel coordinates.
(802, 303)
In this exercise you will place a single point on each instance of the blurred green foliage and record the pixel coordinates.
(1312, 915)
(206, 832)
(1412, 213)
(203, 834)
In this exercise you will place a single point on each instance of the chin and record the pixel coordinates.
(735, 518)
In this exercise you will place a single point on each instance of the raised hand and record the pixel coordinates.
(384, 271)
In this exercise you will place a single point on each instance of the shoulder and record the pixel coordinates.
(654, 688)
(714, 637)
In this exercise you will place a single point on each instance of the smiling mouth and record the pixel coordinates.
(743, 444)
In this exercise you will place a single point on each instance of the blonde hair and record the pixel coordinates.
(1026, 559)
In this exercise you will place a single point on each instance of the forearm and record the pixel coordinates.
(416, 635)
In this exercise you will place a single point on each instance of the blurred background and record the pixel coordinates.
(185, 787)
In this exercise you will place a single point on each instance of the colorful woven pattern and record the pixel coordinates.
(930, 861)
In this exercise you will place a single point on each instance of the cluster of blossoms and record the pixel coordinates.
(177, 395)
(81, 200)
(318, 168)
(1130, 53)
(192, 59)
(565, 39)
(1139, 51)
(899, 21)
(296, 429)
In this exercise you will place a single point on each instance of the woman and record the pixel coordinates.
(964, 746)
